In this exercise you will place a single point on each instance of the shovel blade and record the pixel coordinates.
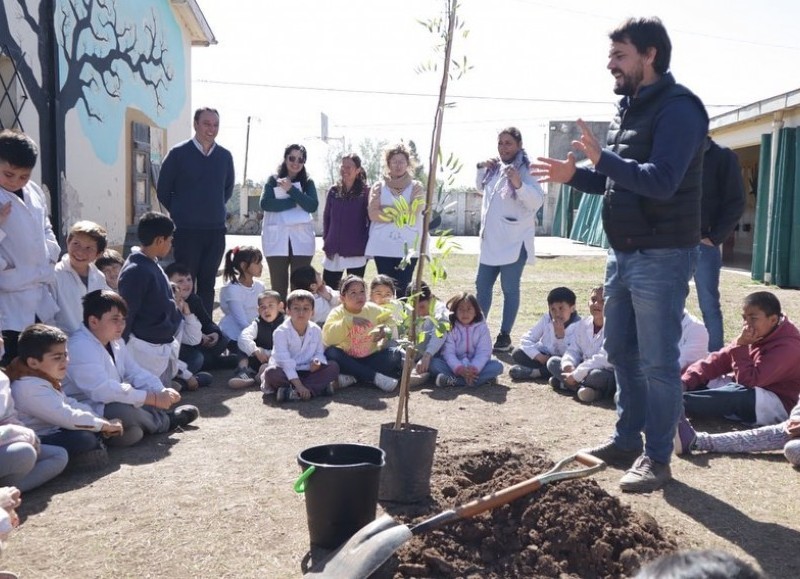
(364, 552)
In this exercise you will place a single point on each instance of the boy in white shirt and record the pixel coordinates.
(28, 247)
(110, 264)
(255, 342)
(297, 368)
(325, 299)
(36, 375)
(547, 338)
(103, 374)
(76, 274)
(190, 333)
(584, 368)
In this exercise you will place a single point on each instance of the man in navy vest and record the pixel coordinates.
(650, 173)
(195, 182)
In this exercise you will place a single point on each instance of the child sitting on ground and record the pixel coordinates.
(76, 273)
(110, 263)
(190, 333)
(103, 375)
(765, 381)
(153, 317)
(784, 436)
(325, 299)
(256, 340)
(36, 375)
(24, 462)
(547, 338)
(584, 368)
(28, 247)
(356, 335)
(466, 357)
(238, 298)
(298, 369)
(432, 325)
(213, 342)
(382, 293)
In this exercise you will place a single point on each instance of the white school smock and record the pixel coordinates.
(295, 225)
(28, 253)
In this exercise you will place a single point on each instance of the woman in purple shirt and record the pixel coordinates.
(346, 223)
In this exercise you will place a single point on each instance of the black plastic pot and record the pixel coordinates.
(406, 478)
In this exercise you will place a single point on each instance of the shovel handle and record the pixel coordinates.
(591, 463)
(300, 483)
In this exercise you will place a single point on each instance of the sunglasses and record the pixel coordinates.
(293, 159)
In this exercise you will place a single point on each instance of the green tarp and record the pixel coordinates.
(579, 217)
(777, 236)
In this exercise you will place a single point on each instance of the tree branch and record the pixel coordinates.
(28, 17)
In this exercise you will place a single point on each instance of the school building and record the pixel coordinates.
(105, 90)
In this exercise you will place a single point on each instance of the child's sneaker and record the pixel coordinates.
(182, 416)
(204, 379)
(285, 393)
(554, 382)
(685, 437)
(502, 343)
(242, 379)
(346, 380)
(586, 394)
(416, 380)
(445, 381)
(329, 390)
(385, 383)
(519, 372)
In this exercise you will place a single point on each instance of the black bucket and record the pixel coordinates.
(409, 461)
(340, 482)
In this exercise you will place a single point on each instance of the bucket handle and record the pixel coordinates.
(300, 483)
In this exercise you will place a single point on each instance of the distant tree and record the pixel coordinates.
(371, 153)
(234, 203)
(420, 174)
(336, 148)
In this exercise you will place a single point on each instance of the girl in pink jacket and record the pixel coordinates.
(466, 357)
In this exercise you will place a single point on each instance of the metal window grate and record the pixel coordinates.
(13, 96)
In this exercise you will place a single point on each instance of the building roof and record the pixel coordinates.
(758, 110)
(194, 21)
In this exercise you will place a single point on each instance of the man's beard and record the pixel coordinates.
(630, 83)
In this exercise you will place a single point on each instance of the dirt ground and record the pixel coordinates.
(217, 500)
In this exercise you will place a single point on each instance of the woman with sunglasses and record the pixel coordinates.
(387, 242)
(287, 231)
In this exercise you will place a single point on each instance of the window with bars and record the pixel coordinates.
(13, 97)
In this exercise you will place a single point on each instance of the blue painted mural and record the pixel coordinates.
(114, 55)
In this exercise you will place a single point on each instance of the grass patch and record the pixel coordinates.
(580, 274)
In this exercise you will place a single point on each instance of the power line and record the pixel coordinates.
(415, 94)
(560, 8)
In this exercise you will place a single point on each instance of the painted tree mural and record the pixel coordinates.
(108, 55)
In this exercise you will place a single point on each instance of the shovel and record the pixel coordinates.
(373, 544)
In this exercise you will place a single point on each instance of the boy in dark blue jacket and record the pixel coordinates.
(153, 317)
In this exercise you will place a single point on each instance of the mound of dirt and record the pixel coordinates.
(566, 529)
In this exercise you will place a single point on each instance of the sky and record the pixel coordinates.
(283, 63)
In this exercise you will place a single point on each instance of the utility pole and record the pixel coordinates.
(244, 193)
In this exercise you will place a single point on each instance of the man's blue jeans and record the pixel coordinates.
(645, 293)
(510, 276)
(706, 281)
